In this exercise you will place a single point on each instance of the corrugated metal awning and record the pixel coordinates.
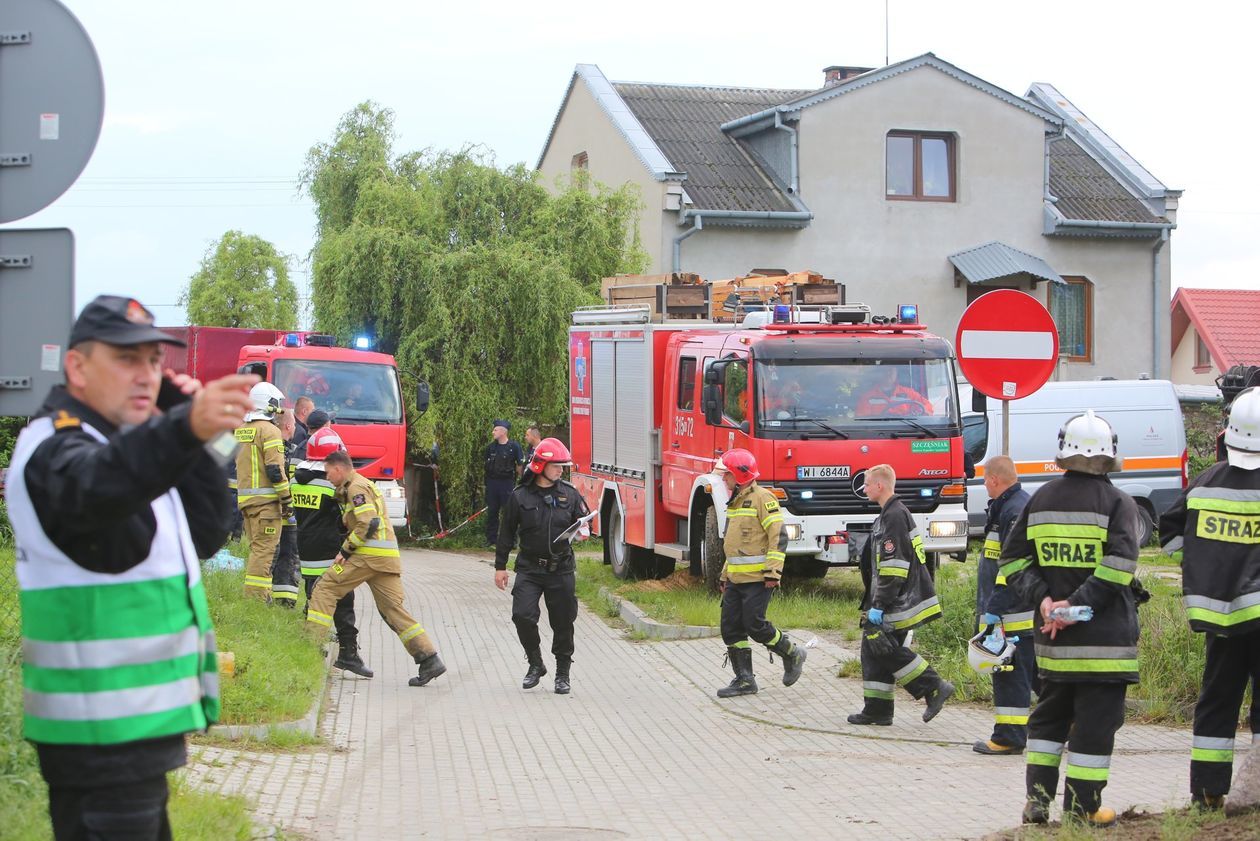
(995, 260)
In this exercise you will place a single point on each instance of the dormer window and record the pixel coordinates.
(919, 166)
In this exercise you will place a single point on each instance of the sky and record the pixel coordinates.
(212, 107)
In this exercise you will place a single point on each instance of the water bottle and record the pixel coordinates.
(994, 643)
(1077, 613)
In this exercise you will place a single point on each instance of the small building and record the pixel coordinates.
(1213, 330)
(913, 183)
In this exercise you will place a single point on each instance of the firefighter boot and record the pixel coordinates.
(430, 667)
(936, 699)
(744, 682)
(1036, 811)
(536, 669)
(348, 659)
(562, 675)
(1100, 819)
(793, 659)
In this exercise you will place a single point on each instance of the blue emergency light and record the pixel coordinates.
(292, 340)
(362, 342)
(908, 313)
(782, 314)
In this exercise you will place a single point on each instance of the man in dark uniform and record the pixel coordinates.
(302, 408)
(113, 497)
(1215, 528)
(503, 467)
(540, 510)
(533, 437)
(999, 606)
(1075, 545)
(284, 564)
(900, 598)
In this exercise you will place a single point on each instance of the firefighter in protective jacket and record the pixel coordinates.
(262, 486)
(754, 547)
(1075, 544)
(901, 597)
(1215, 526)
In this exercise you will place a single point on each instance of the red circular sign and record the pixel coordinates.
(1007, 344)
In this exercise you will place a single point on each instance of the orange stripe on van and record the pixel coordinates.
(1049, 468)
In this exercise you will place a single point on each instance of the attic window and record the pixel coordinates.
(919, 166)
(1202, 357)
(580, 162)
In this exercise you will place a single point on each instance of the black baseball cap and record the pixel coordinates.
(317, 420)
(116, 320)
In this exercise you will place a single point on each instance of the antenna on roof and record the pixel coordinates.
(885, 33)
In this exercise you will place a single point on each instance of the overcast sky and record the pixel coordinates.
(211, 107)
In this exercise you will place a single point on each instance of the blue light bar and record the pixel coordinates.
(782, 314)
(908, 313)
(292, 340)
(363, 342)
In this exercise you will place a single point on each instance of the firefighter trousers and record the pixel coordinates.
(284, 567)
(744, 615)
(1084, 718)
(882, 674)
(1232, 664)
(1012, 695)
(343, 614)
(262, 531)
(557, 590)
(387, 590)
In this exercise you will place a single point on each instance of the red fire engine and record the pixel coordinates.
(817, 394)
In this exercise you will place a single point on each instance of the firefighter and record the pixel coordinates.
(541, 509)
(1075, 544)
(284, 564)
(319, 536)
(1215, 526)
(262, 487)
(754, 547)
(886, 396)
(901, 597)
(999, 606)
(369, 555)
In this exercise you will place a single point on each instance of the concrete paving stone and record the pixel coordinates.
(642, 749)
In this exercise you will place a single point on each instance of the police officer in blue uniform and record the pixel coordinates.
(503, 465)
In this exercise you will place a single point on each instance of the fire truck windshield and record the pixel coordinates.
(350, 392)
(811, 398)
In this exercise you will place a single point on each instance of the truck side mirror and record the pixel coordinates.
(979, 402)
(975, 436)
(422, 397)
(259, 368)
(711, 400)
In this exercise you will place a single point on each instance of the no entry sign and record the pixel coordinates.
(1007, 344)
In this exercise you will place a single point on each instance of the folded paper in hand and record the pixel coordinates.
(571, 533)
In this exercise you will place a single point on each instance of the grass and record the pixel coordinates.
(1170, 825)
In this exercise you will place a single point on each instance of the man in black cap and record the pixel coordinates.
(316, 421)
(503, 466)
(113, 495)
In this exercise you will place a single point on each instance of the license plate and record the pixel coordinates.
(823, 471)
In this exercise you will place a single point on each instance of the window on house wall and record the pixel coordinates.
(581, 161)
(1072, 307)
(1202, 358)
(920, 166)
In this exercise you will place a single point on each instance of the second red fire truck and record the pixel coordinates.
(816, 394)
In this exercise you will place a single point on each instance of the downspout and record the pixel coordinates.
(1156, 296)
(794, 186)
(697, 225)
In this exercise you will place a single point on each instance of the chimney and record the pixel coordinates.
(836, 73)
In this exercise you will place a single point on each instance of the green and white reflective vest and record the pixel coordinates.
(111, 658)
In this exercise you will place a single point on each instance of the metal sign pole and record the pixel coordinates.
(1006, 427)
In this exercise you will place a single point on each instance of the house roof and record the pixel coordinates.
(1226, 319)
(686, 123)
(1087, 191)
(996, 260)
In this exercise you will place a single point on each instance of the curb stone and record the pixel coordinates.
(650, 628)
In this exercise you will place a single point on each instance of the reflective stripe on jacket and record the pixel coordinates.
(369, 534)
(901, 585)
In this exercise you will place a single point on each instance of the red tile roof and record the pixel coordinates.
(1227, 319)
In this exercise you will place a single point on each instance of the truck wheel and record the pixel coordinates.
(1146, 526)
(712, 555)
(616, 553)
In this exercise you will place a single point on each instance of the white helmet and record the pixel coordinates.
(1242, 433)
(1088, 444)
(268, 401)
(985, 661)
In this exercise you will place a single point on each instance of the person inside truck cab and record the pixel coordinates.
(887, 397)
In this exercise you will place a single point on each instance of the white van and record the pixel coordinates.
(1145, 415)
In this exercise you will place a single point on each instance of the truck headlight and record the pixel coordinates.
(793, 531)
(947, 528)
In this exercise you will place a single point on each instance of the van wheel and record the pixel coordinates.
(1146, 525)
(712, 555)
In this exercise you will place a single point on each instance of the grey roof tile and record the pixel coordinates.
(1086, 190)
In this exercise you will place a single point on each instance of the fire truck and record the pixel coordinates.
(817, 394)
(357, 387)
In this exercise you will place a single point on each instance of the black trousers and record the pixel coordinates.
(1232, 663)
(1084, 718)
(343, 614)
(497, 493)
(881, 674)
(1012, 695)
(284, 567)
(129, 812)
(557, 590)
(744, 614)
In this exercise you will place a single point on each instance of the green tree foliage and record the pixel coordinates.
(466, 271)
(243, 282)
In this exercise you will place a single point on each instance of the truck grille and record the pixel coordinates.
(839, 498)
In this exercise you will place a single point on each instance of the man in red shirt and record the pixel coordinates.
(888, 397)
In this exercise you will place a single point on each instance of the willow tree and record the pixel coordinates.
(467, 271)
(243, 281)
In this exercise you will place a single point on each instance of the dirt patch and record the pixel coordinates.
(1180, 824)
(678, 580)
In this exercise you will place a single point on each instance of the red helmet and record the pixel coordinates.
(740, 463)
(322, 444)
(549, 451)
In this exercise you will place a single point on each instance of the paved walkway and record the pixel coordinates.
(641, 749)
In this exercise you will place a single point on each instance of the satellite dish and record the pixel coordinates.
(52, 103)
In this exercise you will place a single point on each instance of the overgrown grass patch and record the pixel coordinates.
(1170, 825)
